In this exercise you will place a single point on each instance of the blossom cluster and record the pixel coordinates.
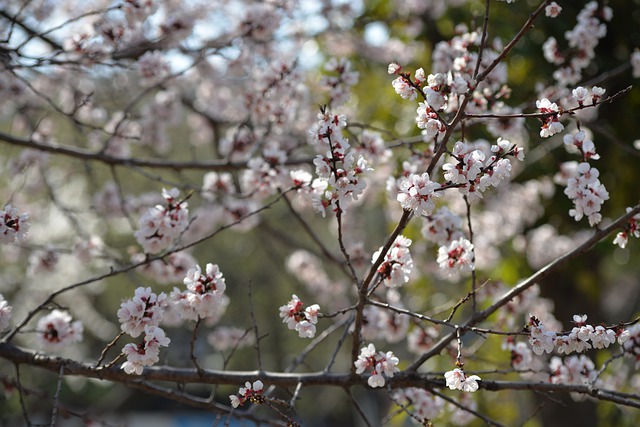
(144, 309)
(582, 41)
(632, 344)
(521, 354)
(458, 256)
(204, 296)
(550, 123)
(143, 313)
(587, 193)
(381, 324)
(631, 228)
(578, 370)
(442, 227)
(472, 171)
(379, 363)
(434, 88)
(250, 392)
(301, 319)
(582, 337)
(340, 81)
(161, 225)
(397, 264)
(417, 193)
(145, 353)
(340, 171)
(458, 380)
(56, 330)
(14, 226)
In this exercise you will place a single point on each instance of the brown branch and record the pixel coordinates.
(30, 31)
(526, 284)
(279, 379)
(525, 28)
(86, 155)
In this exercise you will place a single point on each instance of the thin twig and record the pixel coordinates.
(359, 410)
(255, 327)
(56, 397)
(103, 354)
(192, 345)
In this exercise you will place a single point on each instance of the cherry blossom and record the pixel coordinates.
(146, 353)
(153, 68)
(541, 340)
(417, 193)
(580, 94)
(340, 81)
(552, 10)
(572, 370)
(5, 313)
(582, 337)
(631, 229)
(56, 330)
(379, 363)
(204, 296)
(397, 264)
(393, 68)
(550, 123)
(144, 309)
(587, 192)
(250, 392)
(340, 172)
(403, 88)
(233, 103)
(521, 355)
(458, 380)
(301, 319)
(582, 40)
(161, 225)
(457, 256)
(428, 120)
(582, 144)
(442, 226)
(13, 225)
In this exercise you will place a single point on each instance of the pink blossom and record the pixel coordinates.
(552, 10)
(303, 320)
(404, 89)
(248, 392)
(145, 353)
(161, 225)
(56, 330)
(458, 380)
(144, 309)
(5, 313)
(417, 193)
(379, 363)
(13, 226)
(457, 256)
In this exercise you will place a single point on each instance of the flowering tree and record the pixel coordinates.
(241, 206)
